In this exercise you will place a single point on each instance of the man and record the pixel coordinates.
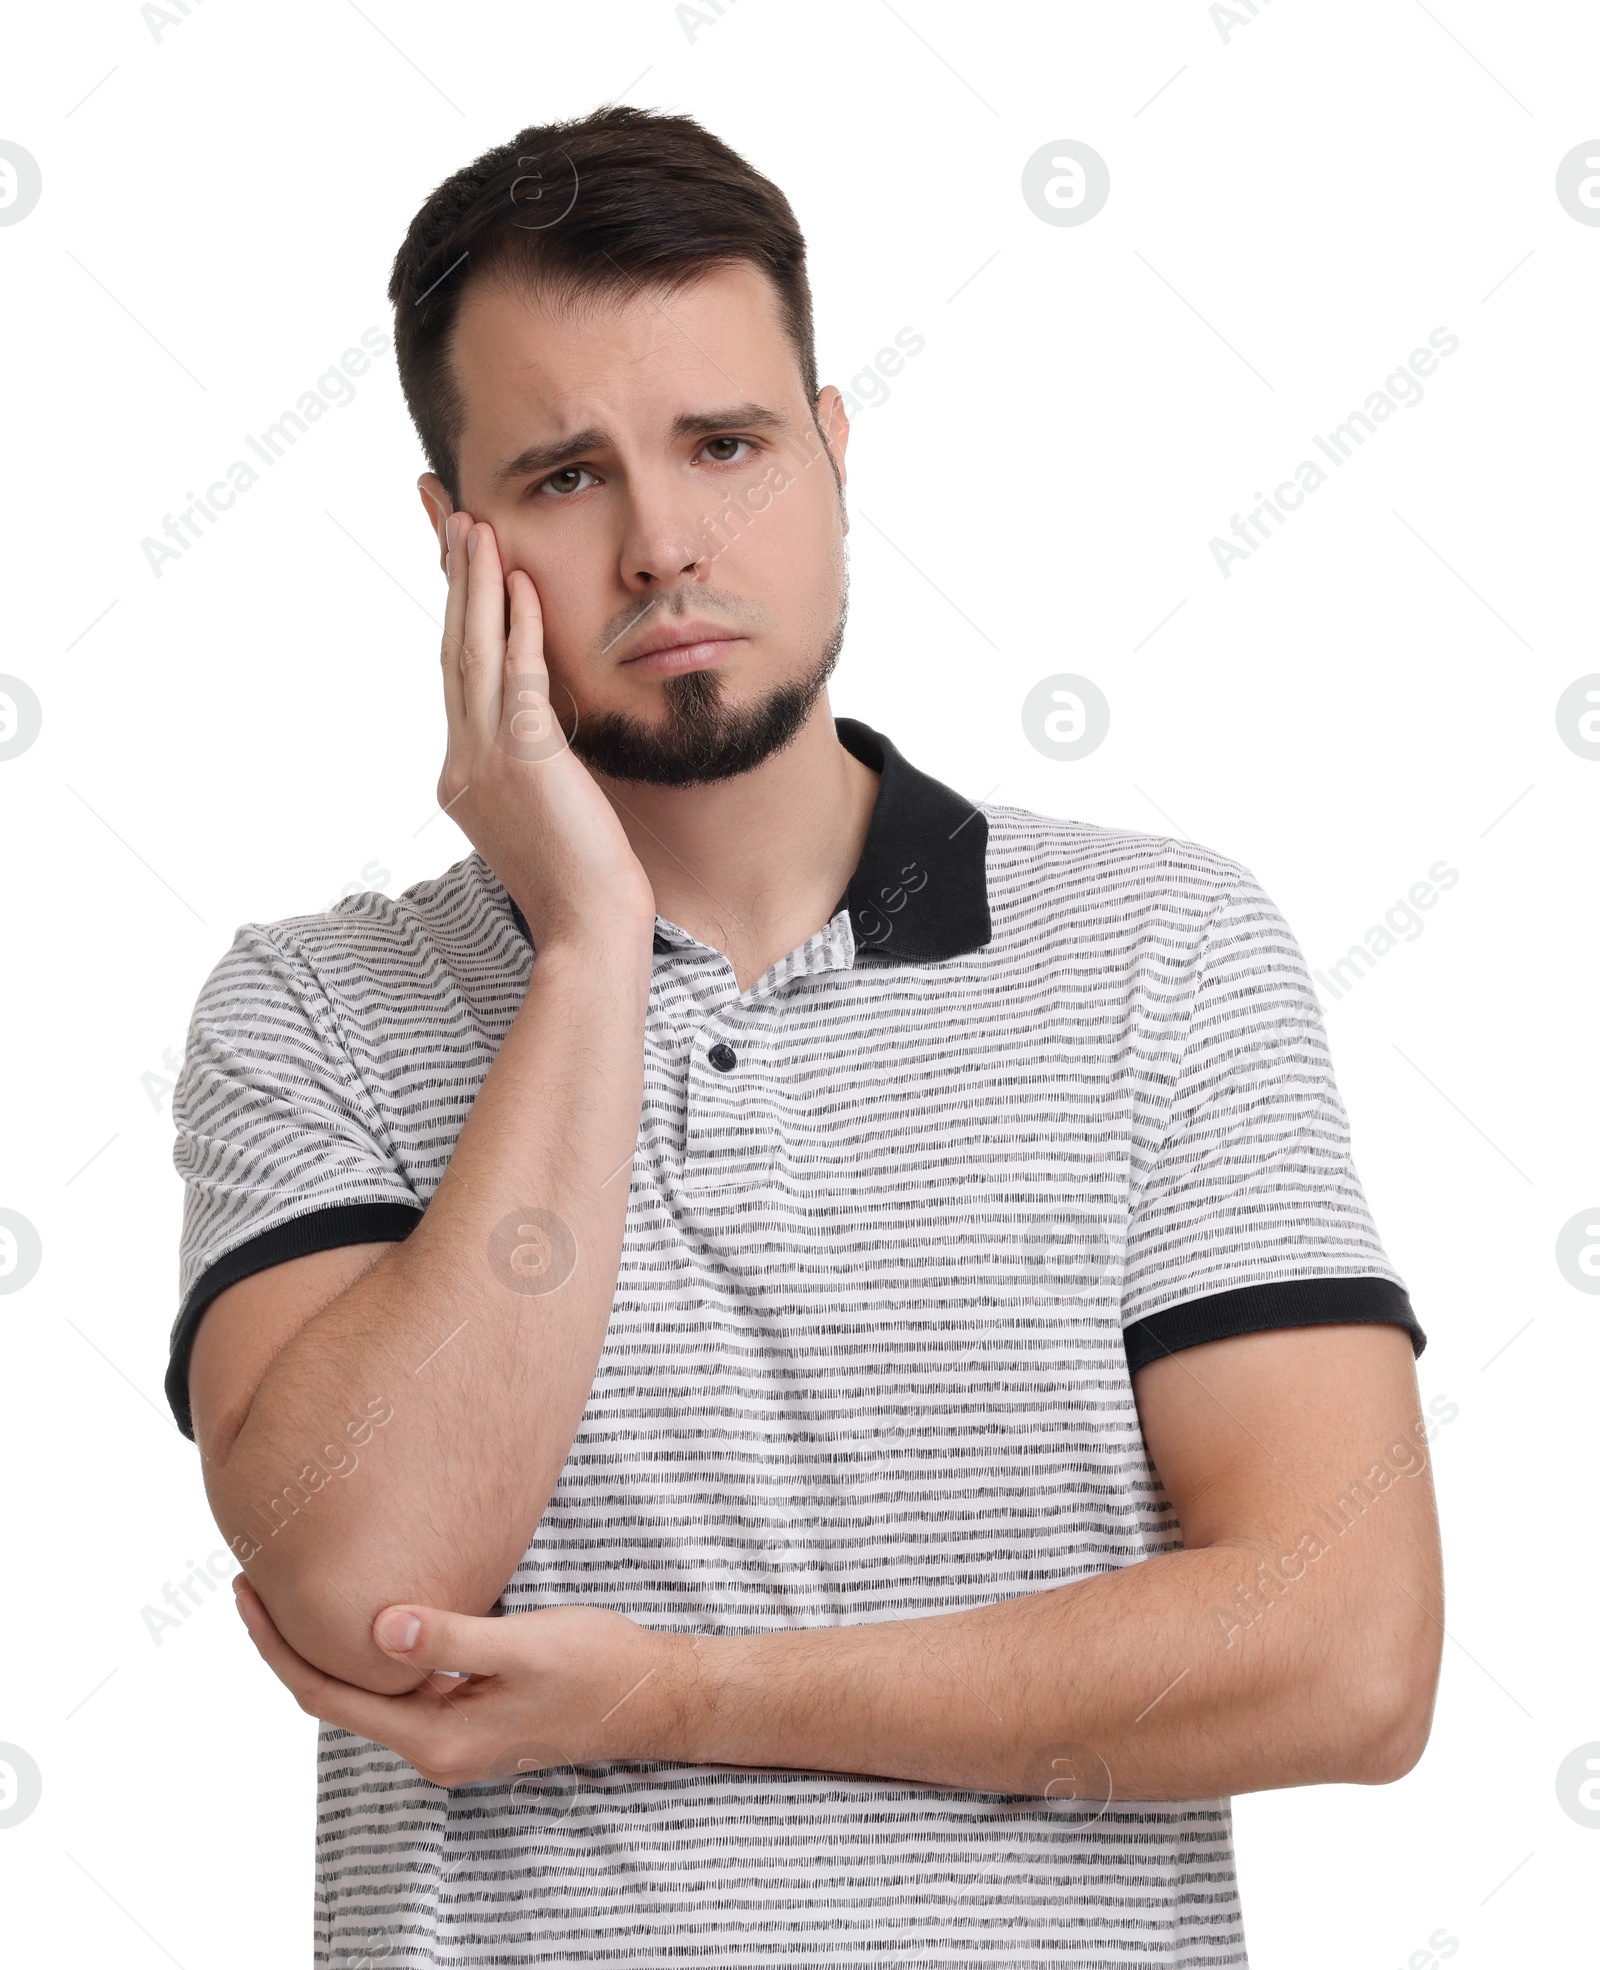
(797, 1369)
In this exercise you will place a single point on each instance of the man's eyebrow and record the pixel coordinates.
(704, 423)
(691, 424)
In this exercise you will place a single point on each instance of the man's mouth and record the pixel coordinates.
(678, 647)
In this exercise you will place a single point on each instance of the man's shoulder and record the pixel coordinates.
(458, 919)
(1031, 855)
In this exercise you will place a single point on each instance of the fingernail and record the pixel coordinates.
(399, 1631)
(452, 527)
(472, 542)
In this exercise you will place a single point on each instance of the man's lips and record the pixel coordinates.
(689, 646)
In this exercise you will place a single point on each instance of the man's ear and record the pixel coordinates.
(834, 423)
(436, 504)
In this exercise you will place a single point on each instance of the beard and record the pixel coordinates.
(703, 738)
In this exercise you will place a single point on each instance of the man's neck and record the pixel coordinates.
(754, 865)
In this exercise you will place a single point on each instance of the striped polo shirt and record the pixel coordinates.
(1041, 1102)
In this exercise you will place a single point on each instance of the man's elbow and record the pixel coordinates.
(329, 1630)
(1387, 1719)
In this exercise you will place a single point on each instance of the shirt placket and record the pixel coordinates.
(732, 1105)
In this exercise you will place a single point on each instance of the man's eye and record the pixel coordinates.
(559, 484)
(723, 457)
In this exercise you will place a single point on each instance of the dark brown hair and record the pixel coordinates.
(604, 204)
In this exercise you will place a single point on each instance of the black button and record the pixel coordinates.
(723, 1057)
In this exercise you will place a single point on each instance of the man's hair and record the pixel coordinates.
(606, 205)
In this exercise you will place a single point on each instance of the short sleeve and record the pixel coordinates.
(281, 1147)
(1251, 1214)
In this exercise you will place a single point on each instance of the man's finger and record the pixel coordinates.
(455, 617)
(525, 641)
(434, 1638)
(485, 631)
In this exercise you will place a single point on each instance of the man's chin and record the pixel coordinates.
(700, 739)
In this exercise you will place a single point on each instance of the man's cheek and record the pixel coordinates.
(555, 583)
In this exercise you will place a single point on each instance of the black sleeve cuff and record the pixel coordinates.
(1282, 1303)
(314, 1231)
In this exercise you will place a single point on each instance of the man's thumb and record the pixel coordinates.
(434, 1638)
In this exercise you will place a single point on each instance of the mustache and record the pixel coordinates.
(677, 609)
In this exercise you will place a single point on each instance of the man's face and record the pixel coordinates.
(653, 464)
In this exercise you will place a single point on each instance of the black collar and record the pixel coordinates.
(920, 891)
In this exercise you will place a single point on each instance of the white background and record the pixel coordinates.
(1305, 198)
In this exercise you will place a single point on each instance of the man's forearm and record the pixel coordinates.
(487, 1383)
(1152, 1681)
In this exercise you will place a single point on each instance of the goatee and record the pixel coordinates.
(702, 739)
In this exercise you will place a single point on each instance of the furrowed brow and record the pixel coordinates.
(551, 457)
(692, 424)
(706, 423)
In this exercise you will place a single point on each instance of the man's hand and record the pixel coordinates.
(542, 1690)
(510, 780)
